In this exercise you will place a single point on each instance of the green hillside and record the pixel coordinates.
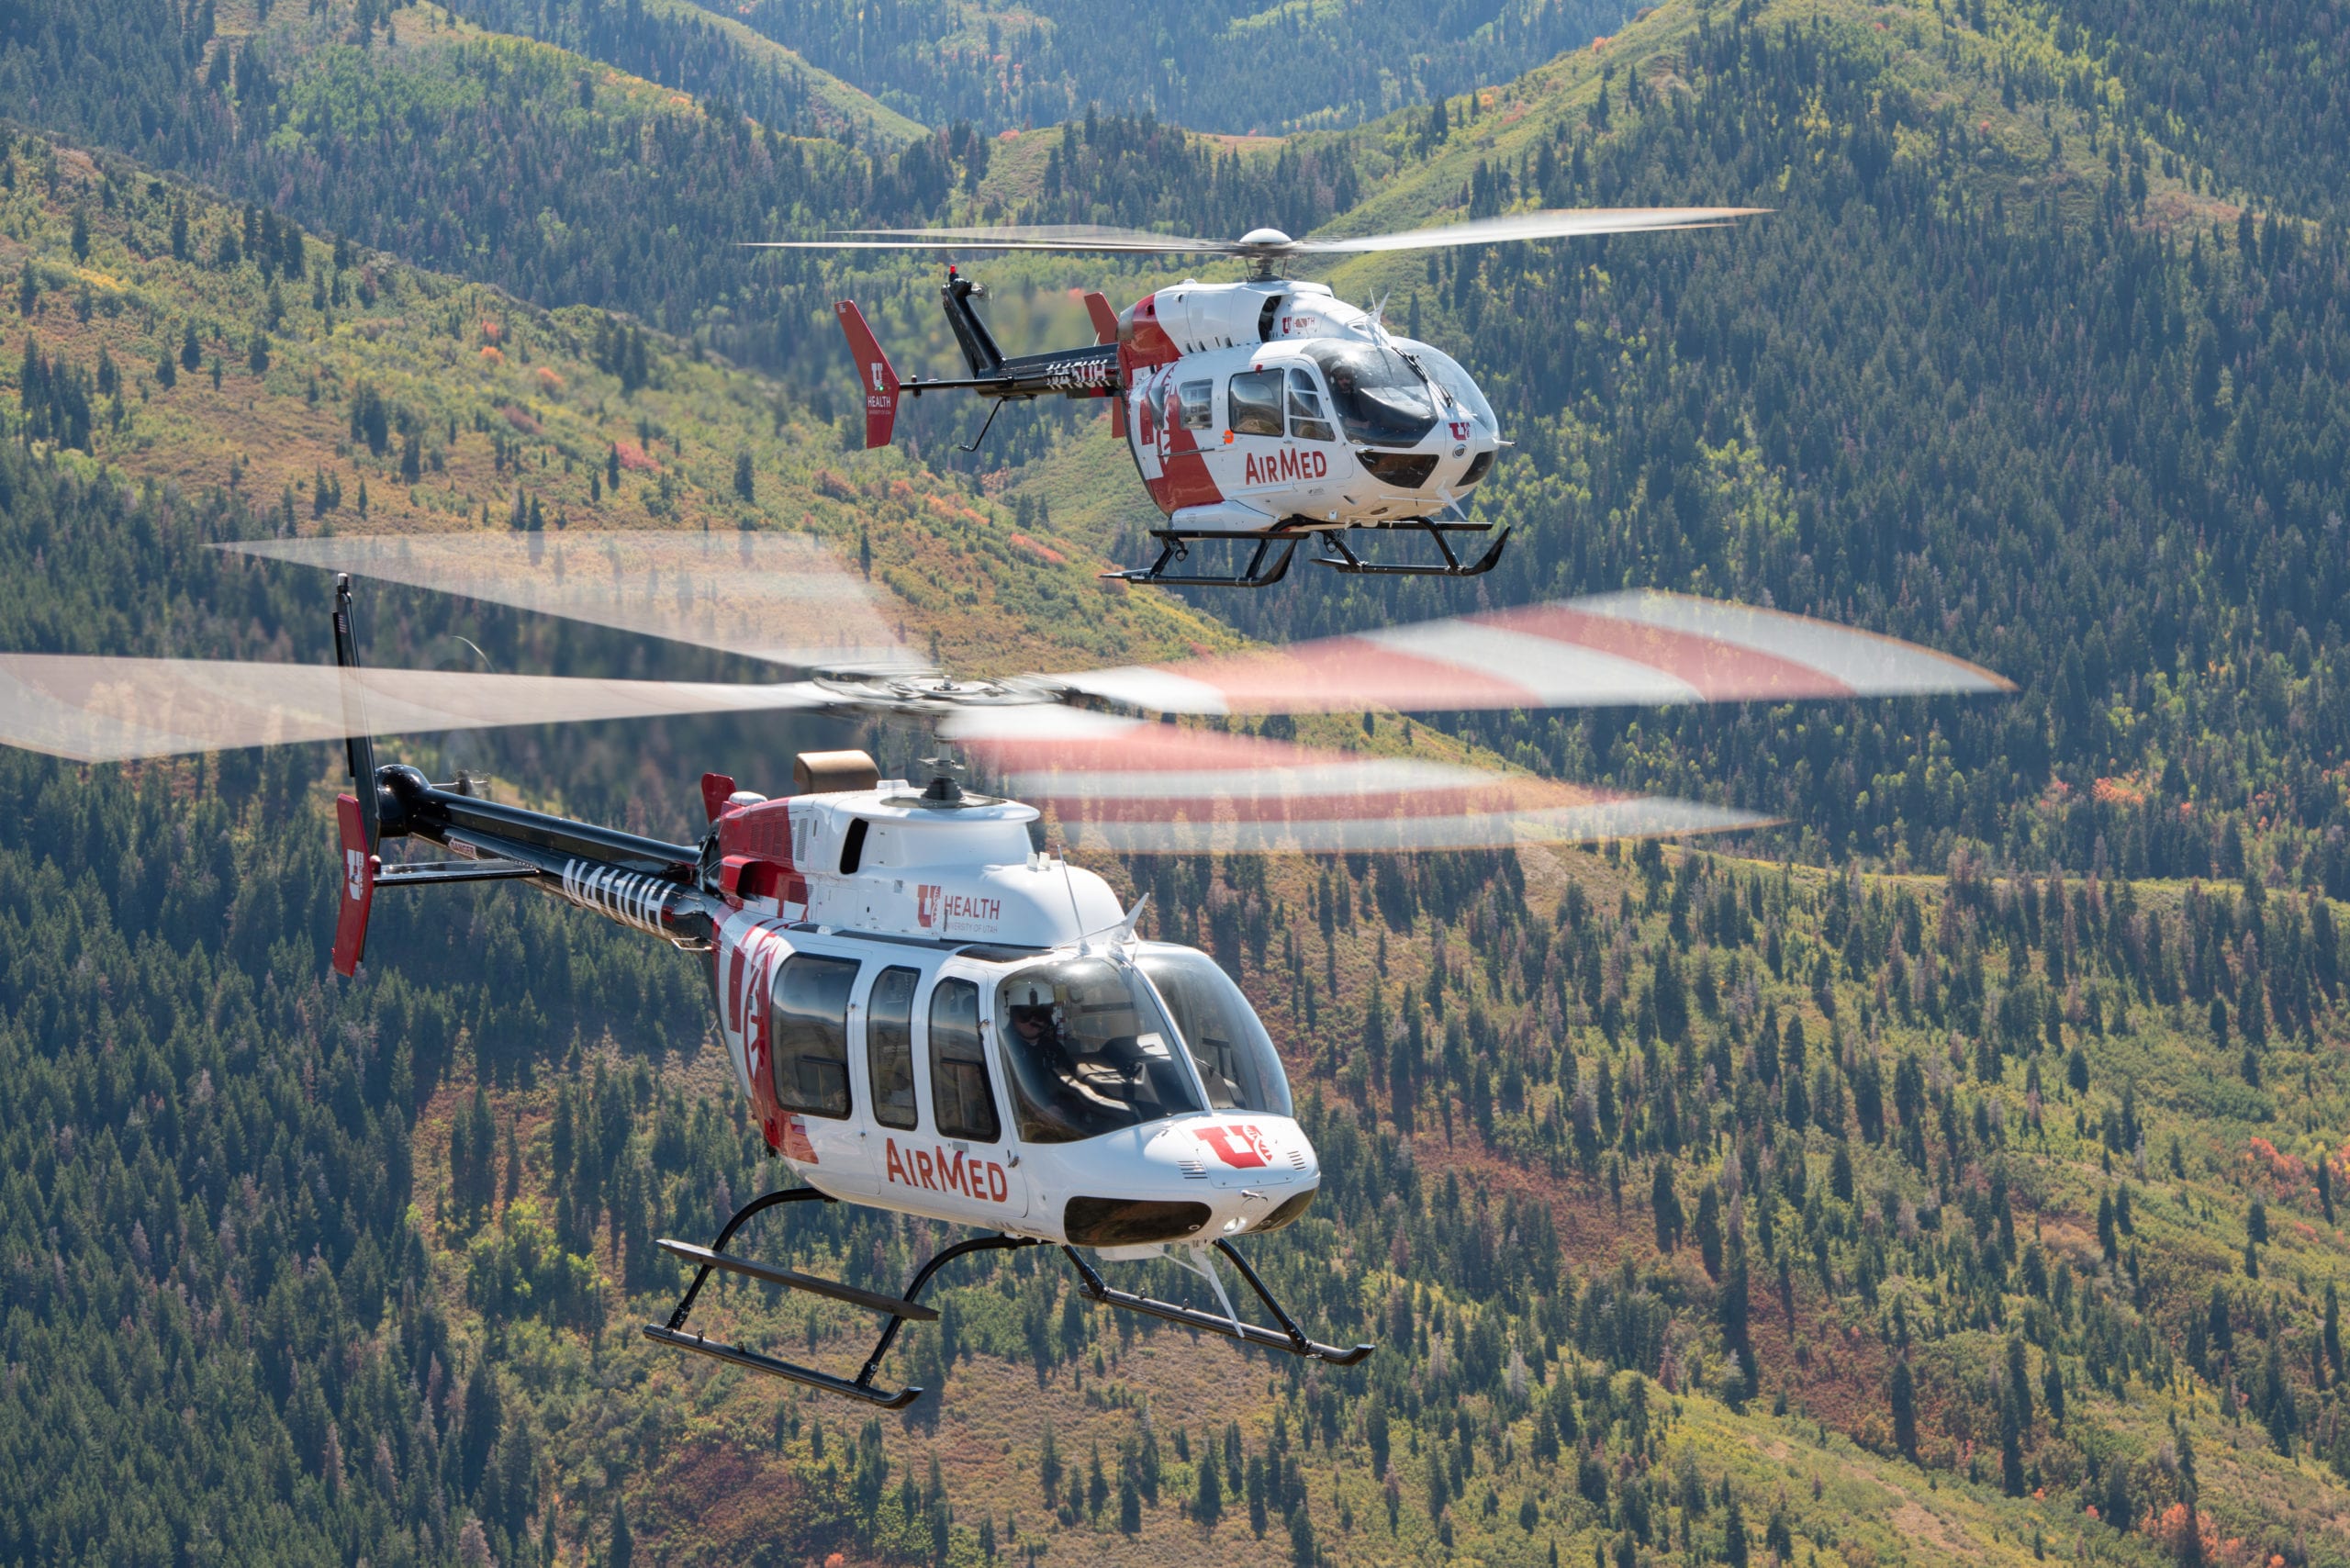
(171, 337)
(1233, 66)
(1653, 1174)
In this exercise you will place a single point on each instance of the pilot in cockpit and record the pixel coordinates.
(1093, 1070)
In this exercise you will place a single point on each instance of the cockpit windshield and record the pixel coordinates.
(1378, 397)
(1089, 1051)
(1453, 381)
(1234, 1055)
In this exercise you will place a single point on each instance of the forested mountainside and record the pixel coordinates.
(1705, 1209)
(1953, 1175)
(1233, 66)
(1864, 403)
(168, 335)
(2259, 98)
(1992, 376)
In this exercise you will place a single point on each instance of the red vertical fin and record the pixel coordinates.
(1105, 320)
(715, 788)
(874, 374)
(359, 868)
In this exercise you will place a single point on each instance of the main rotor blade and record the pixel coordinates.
(780, 597)
(1075, 236)
(1563, 224)
(1137, 787)
(1635, 648)
(104, 710)
(1574, 223)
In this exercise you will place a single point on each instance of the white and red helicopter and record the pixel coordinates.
(1259, 413)
(928, 1012)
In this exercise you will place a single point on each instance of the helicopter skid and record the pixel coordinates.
(1289, 1336)
(751, 1361)
(900, 1310)
(1269, 561)
(1265, 566)
(1339, 557)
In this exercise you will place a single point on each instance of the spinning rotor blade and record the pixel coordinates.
(1137, 787)
(1568, 224)
(1079, 237)
(103, 710)
(1640, 647)
(780, 597)
(1267, 245)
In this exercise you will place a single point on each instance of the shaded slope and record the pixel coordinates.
(1234, 66)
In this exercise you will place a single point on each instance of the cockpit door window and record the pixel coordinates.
(1306, 420)
(1089, 1051)
(1239, 1066)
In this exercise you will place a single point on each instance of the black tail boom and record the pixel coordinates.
(643, 883)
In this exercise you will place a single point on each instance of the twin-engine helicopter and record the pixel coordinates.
(928, 1012)
(1259, 413)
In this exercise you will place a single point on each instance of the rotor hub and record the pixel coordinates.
(1261, 248)
(932, 693)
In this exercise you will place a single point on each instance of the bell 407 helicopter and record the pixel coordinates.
(1259, 413)
(927, 1013)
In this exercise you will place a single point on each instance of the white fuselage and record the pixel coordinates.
(1250, 404)
(860, 982)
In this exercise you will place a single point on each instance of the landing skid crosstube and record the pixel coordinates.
(1269, 550)
(900, 1310)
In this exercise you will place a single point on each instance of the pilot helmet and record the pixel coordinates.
(1030, 1000)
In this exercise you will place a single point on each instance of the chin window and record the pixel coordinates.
(1130, 1222)
(1479, 466)
(1403, 470)
(1285, 1214)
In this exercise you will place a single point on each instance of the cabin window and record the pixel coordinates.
(890, 1046)
(1235, 1057)
(1088, 1051)
(1306, 420)
(810, 1022)
(959, 1099)
(1255, 401)
(1196, 405)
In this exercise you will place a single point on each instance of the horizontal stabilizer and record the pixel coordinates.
(424, 873)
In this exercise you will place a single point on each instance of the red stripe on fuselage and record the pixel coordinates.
(1186, 482)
